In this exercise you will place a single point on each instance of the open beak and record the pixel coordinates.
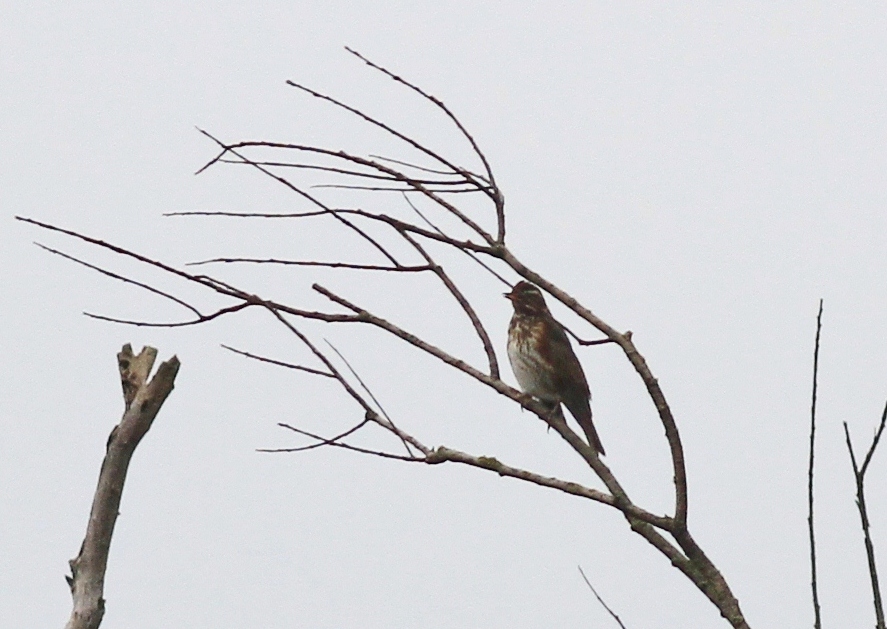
(509, 296)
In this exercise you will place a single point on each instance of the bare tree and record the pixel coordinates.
(430, 213)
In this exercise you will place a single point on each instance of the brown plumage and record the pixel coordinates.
(543, 360)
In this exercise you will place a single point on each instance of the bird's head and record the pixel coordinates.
(527, 299)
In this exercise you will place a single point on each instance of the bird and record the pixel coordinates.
(543, 360)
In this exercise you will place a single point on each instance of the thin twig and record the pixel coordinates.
(584, 342)
(598, 597)
(174, 324)
(413, 183)
(463, 303)
(494, 193)
(280, 363)
(443, 454)
(342, 186)
(322, 441)
(817, 620)
(312, 263)
(345, 446)
(251, 214)
(877, 438)
(387, 128)
(332, 212)
(464, 245)
(357, 173)
(401, 162)
(363, 385)
(126, 280)
(470, 254)
(370, 411)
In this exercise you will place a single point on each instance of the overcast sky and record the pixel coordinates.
(700, 175)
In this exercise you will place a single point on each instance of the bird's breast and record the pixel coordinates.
(531, 369)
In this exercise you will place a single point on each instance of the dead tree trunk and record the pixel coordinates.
(143, 400)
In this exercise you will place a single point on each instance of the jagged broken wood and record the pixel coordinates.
(143, 400)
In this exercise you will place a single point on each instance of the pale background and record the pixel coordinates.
(701, 175)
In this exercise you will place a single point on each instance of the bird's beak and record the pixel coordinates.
(508, 296)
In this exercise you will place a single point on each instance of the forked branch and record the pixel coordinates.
(859, 477)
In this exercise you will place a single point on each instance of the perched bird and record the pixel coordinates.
(543, 360)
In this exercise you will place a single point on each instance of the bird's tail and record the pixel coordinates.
(581, 410)
(583, 418)
(591, 434)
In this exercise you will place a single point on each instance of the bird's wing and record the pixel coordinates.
(567, 366)
(571, 384)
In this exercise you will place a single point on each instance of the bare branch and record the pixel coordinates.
(328, 265)
(817, 621)
(435, 189)
(330, 211)
(126, 253)
(322, 442)
(443, 454)
(143, 400)
(375, 174)
(280, 363)
(584, 342)
(354, 159)
(877, 438)
(463, 245)
(859, 477)
(598, 597)
(363, 385)
(126, 280)
(175, 324)
(251, 214)
(495, 194)
(424, 169)
(463, 303)
(370, 411)
(360, 174)
(377, 123)
(470, 254)
(345, 446)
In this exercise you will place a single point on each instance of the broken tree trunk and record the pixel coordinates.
(142, 400)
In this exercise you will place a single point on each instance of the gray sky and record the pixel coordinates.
(700, 175)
